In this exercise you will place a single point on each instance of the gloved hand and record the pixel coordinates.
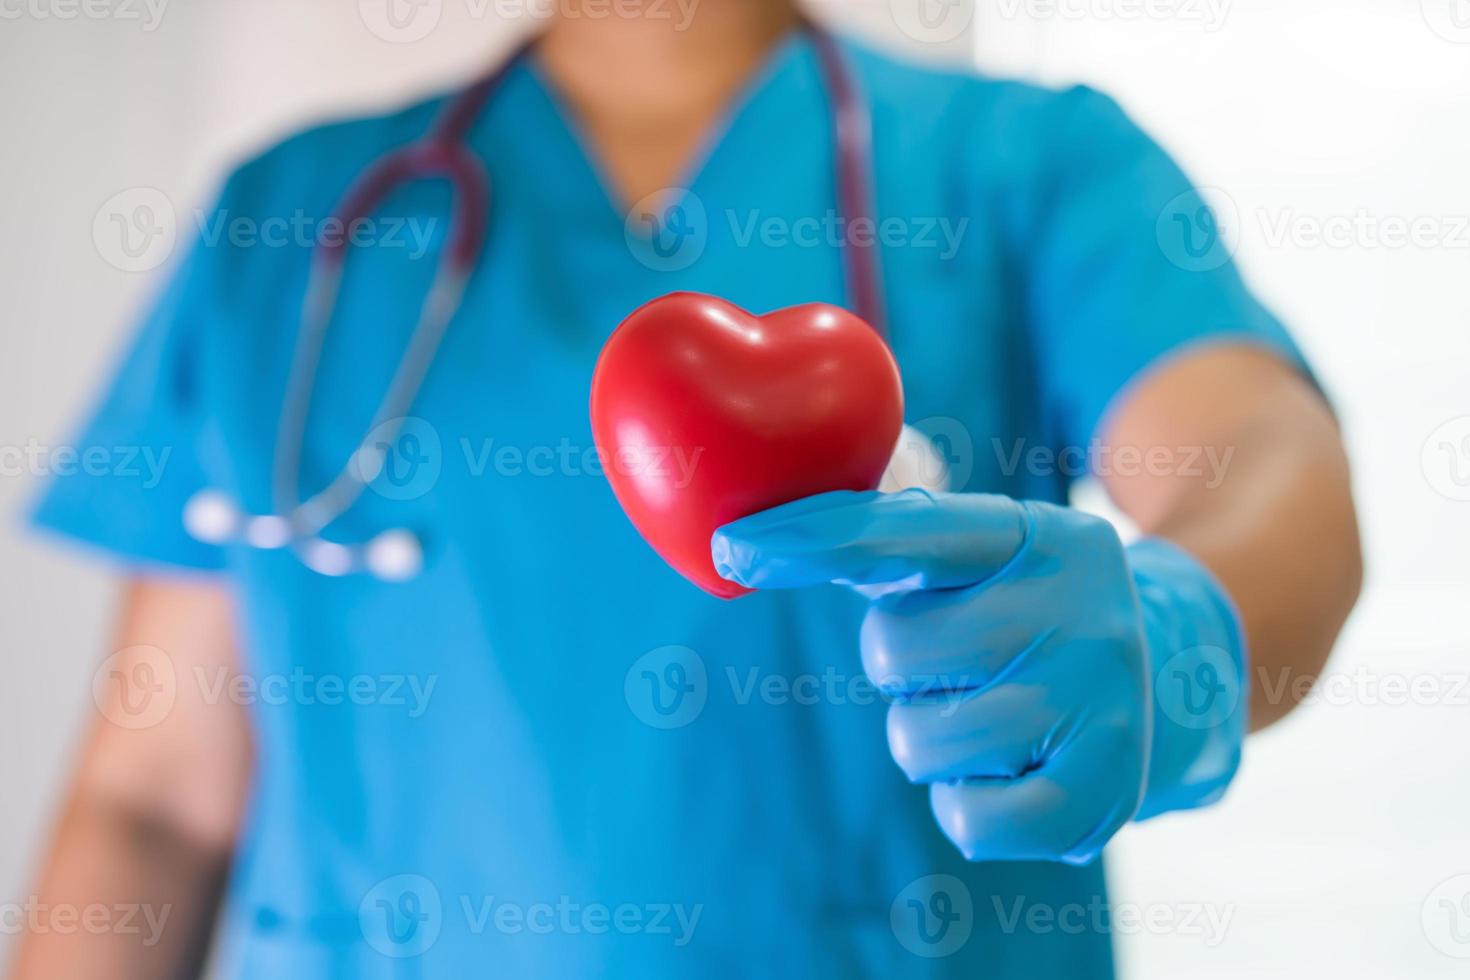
(1020, 644)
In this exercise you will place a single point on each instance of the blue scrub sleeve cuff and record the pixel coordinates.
(1198, 661)
(1115, 286)
(94, 522)
(1275, 343)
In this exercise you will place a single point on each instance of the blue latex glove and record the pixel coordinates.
(1021, 645)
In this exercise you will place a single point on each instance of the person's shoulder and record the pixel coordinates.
(1008, 142)
(324, 156)
(965, 99)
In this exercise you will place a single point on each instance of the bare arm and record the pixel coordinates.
(150, 820)
(1258, 490)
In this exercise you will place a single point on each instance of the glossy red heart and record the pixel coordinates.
(705, 414)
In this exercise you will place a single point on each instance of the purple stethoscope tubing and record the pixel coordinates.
(444, 153)
(397, 554)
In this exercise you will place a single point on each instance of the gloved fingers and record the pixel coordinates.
(999, 733)
(1064, 811)
(914, 538)
(956, 638)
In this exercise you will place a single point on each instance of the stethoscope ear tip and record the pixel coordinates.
(325, 557)
(212, 517)
(395, 555)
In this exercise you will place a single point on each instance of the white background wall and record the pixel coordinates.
(1329, 854)
(1346, 818)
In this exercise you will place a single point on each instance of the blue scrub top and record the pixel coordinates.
(550, 755)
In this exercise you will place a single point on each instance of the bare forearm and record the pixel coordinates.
(1273, 520)
(1279, 534)
(132, 882)
(120, 897)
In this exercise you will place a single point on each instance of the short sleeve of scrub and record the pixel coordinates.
(1128, 264)
(122, 482)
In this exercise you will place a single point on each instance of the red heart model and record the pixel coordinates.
(705, 413)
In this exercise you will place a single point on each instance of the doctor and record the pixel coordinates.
(547, 754)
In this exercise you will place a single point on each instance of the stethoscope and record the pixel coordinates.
(397, 554)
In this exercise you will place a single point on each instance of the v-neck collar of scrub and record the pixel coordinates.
(558, 154)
